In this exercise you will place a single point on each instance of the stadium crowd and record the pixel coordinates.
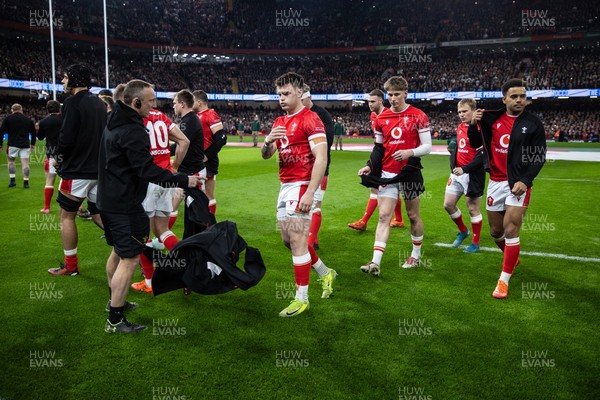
(308, 23)
(577, 123)
(559, 68)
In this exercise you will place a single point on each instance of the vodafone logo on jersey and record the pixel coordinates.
(284, 142)
(504, 140)
(462, 143)
(396, 133)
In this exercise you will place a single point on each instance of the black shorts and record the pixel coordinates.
(476, 183)
(411, 183)
(127, 233)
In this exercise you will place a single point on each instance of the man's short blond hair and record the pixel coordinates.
(468, 102)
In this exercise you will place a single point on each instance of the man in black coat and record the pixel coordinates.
(19, 128)
(83, 119)
(514, 144)
(125, 168)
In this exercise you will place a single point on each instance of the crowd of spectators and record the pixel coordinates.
(271, 24)
(548, 68)
(578, 120)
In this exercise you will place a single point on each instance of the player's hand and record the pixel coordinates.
(401, 155)
(519, 188)
(477, 116)
(205, 159)
(277, 133)
(305, 203)
(458, 171)
(32, 148)
(364, 171)
(193, 181)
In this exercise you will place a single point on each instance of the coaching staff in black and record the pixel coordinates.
(125, 168)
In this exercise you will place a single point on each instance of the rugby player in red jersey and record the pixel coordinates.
(402, 135)
(300, 138)
(467, 177)
(514, 142)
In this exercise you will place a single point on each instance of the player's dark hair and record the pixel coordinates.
(377, 92)
(395, 83)
(108, 100)
(134, 88)
(53, 106)
(186, 96)
(200, 95)
(105, 92)
(118, 94)
(292, 78)
(511, 83)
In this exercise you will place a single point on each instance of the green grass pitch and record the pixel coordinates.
(430, 333)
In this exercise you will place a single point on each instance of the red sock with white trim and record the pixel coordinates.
(315, 225)
(476, 223)
(169, 240)
(511, 255)
(172, 219)
(302, 274)
(457, 218)
(371, 206)
(147, 265)
(212, 206)
(71, 261)
(147, 268)
(48, 192)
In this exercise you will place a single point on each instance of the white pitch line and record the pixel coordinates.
(533, 253)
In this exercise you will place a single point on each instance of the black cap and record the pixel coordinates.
(79, 76)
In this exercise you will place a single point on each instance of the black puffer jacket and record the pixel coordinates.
(125, 165)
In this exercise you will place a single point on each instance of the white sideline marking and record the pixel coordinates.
(568, 180)
(532, 253)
